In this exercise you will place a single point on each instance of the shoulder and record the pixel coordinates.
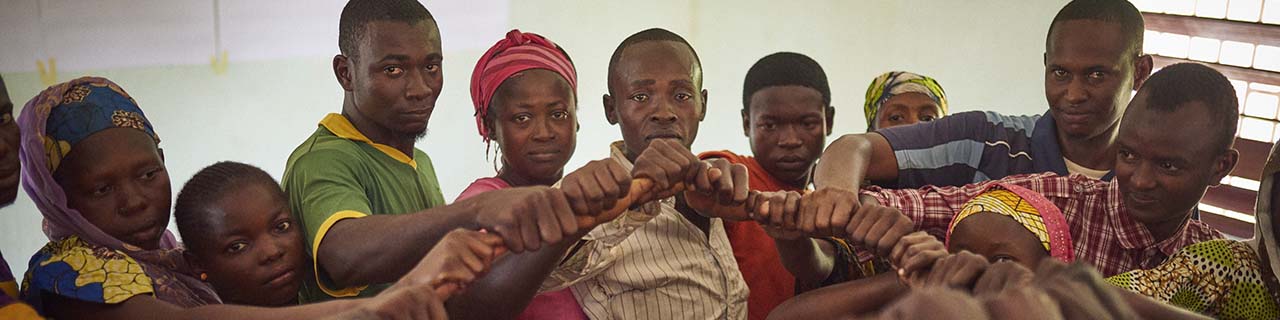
(722, 154)
(76, 269)
(483, 185)
(1198, 231)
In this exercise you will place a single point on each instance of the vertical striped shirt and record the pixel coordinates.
(652, 263)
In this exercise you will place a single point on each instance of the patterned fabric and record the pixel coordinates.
(1104, 234)
(518, 52)
(1218, 278)
(1032, 211)
(338, 173)
(10, 306)
(53, 122)
(653, 263)
(79, 270)
(895, 83)
(975, 146)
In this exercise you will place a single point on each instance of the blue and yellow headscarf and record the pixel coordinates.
(894, 83)
(86, 107)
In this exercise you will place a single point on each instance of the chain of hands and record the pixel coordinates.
(963, 283)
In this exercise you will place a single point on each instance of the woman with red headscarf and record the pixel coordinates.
(524, 91)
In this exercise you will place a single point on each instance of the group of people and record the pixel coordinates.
(1085, 211)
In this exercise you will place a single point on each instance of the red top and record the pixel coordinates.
(757, 257)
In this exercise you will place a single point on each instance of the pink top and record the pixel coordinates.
(558, 304)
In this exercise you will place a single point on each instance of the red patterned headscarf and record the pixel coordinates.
(518, 52)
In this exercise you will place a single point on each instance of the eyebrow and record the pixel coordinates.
(643, 83)
(395, 57)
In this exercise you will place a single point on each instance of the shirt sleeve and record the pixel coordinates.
(959, 149)
(930, 208)
(324, 188)
(598, 250)
(1218, 277)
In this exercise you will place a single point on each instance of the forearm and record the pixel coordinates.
(841, 300)
(844, 163)
(513, 281)
(382, 248)
(809, 260)
(1148, 308)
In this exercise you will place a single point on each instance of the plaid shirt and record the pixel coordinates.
(1102, 231)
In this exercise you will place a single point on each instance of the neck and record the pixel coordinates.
(1162, 231)
(519, 179)
(376, 132)
(1096, 152)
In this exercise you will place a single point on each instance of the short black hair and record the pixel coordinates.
(652, 34)
(359, 13)
(1120, 12)
(209, 185)
(1180, 84)
(785, 69)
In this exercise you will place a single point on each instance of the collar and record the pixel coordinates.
(1045, 150)
(1135, 236)
(341, 127)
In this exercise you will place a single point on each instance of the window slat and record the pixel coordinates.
(1255, 33)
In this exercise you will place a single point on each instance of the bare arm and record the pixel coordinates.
(382, 248)
(508, 288)
(809, 260)
(1151, 309)
(853, 158)
(841, 300)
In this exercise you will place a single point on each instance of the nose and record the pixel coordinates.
(418, 86)
(132, 199)
(665, 113)
(1142, 178)
(1076, 92)
(275, 251)
(543, 131)
(789, 137)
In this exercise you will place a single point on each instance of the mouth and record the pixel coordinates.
(664, 135)
(792, 163)
(1142, 200)
(543, 155)
(282, 278)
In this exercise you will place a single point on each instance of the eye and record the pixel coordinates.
(640, 97)
(1169, 166)
(7, 118)
(394, 71)
(522, 118)
(926, 118)
(1059, 74)
(102, 190)
(1126, 156)
(559, 115)
(895, 118)
(284, 226)
(768, 126)
(1097, 75)
(237, 247)
(1002, 257)
(683, 97)
(433, 67)
(150, 174)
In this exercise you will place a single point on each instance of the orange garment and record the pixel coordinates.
(757, 256)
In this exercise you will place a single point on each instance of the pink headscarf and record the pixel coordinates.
(1030, 209)
(518, 52)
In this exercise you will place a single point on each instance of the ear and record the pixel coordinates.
(161, 152)
(610, 109)
(831, 118)
(1044, 58)
(1225, 163)
(342, 70)
(702, 112)
(1142, 66)
(746, 122)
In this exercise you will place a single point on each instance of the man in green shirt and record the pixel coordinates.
(367, 200)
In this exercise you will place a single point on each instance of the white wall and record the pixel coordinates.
(986, 54)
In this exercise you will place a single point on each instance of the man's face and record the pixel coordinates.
(655, 94)
(396, 75)
(1163, 173)
(788, 126)
(1088, 76)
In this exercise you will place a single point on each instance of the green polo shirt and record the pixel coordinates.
(338, 173)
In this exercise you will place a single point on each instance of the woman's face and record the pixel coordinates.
(535, 124)
(906, 109)
(252, 250)
(116, 179)
(997, 237)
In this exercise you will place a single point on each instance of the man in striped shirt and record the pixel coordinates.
(1093, 59)
(663, 259)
